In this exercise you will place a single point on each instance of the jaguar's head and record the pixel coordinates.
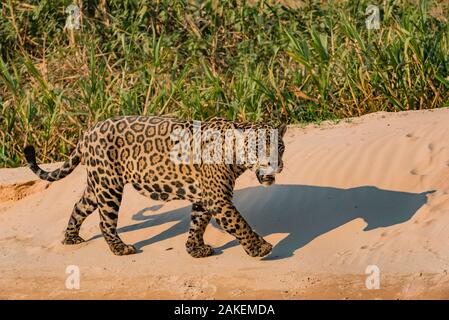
(266, 170)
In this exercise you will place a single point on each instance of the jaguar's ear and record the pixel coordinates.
(282, 129)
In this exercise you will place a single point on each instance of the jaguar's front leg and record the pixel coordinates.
(231, 221)
(195, 243)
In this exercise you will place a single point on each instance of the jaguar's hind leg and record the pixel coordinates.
(108, 204)
(83, 208)
(195, 243)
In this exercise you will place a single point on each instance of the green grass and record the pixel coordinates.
(197, 59)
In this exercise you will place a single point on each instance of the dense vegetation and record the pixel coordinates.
(197, 59)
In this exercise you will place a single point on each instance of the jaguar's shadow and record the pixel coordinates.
(303, 212)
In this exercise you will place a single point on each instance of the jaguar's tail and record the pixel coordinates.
(68, 166)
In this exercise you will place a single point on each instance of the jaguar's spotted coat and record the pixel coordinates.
(135, 150)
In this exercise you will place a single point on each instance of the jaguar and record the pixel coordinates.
(136, 150)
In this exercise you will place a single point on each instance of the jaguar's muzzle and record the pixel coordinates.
(265, 179)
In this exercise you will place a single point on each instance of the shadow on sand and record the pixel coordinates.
(303, 212)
